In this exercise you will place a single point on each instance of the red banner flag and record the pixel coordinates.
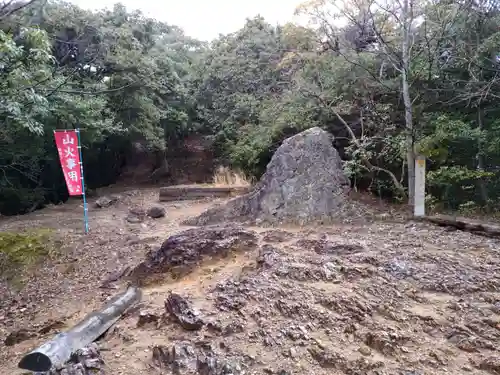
(69, 155)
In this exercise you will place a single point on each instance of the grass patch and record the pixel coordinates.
(20, 250)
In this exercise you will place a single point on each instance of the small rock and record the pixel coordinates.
(105, 201)
(136, 215)
(366, 351)
(156, 212)
(293, 353)
(188, 317)
(134, 219)
(92, 363)
(84, 361)
(137, 211)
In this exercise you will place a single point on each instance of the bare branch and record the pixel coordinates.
(8, 8)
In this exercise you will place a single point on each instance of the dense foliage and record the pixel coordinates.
(419, 77)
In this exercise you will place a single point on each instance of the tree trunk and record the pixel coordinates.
(480, 115)
(410, 136)
(465, 224)
(480, 159)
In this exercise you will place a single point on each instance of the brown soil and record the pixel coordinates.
(385, 297)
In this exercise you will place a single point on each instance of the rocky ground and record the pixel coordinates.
(384, 297)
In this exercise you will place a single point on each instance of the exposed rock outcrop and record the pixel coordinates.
(183, 252)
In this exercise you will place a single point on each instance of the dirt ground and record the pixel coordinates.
(384, 297)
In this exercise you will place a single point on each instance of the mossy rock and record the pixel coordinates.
(19, 250)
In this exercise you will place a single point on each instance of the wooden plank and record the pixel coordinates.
(171, 193)
(57, 351)
(465, 224)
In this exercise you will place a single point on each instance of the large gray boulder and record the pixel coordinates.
(304, 182)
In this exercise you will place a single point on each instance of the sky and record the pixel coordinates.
(205, 19)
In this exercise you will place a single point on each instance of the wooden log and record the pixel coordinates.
(175, 193)
(57, 351)
(465, 224)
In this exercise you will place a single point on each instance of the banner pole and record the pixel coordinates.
(85, 209)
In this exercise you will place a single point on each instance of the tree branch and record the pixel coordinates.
(356, 142)
(6, 12)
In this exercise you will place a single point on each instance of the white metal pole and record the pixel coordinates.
(419, 207)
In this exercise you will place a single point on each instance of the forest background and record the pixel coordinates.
(389, 80)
